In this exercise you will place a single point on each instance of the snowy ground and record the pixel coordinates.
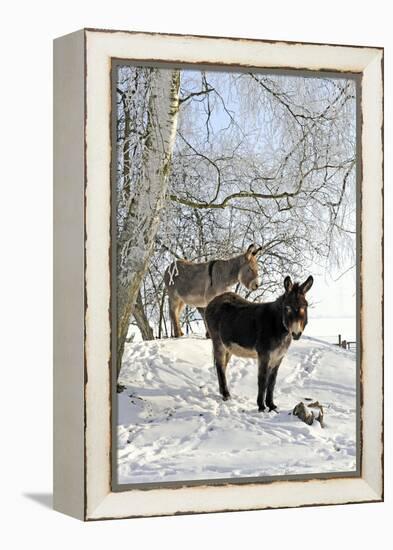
(173, 426)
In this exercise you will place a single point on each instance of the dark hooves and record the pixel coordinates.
(261, 409)
(226, 397)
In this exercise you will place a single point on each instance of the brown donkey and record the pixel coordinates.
(195, 284)
(262, 331)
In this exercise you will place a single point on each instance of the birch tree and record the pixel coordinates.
(147, 123)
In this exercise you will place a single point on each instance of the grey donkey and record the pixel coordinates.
(196, 284)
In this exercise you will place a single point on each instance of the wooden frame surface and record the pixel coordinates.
(82, 402)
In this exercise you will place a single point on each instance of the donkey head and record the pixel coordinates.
(248, 273)
(294, 312)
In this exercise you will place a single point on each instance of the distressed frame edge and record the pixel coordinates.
(233, 38)
(69, 278)
(361, 492)
(375, 493)
(372, 268)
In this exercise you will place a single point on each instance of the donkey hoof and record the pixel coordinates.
(261, 408)
(272, 407)
(226, 397)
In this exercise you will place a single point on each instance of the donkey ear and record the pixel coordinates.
(305, 287)
(257, 251)
(288, 284)
(250, 251)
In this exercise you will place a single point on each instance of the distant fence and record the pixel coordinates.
(346, 344)
(337, 340)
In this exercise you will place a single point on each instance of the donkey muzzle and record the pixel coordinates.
(297, 328)
(255, 284)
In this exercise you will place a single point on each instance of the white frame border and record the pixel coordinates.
(100, 47)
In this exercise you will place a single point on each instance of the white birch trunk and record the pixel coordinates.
(147, 198)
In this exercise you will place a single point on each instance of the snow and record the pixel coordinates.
(328, 328)
(173, 425)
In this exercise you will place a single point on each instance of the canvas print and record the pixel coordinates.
(235, 290)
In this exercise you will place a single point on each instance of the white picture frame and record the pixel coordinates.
(82, 252)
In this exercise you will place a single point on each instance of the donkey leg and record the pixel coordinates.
(221, 359)
(270, 387)
(180, 307)
(262, 381)
(172, 314)
(202, 314)
(175, 308)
